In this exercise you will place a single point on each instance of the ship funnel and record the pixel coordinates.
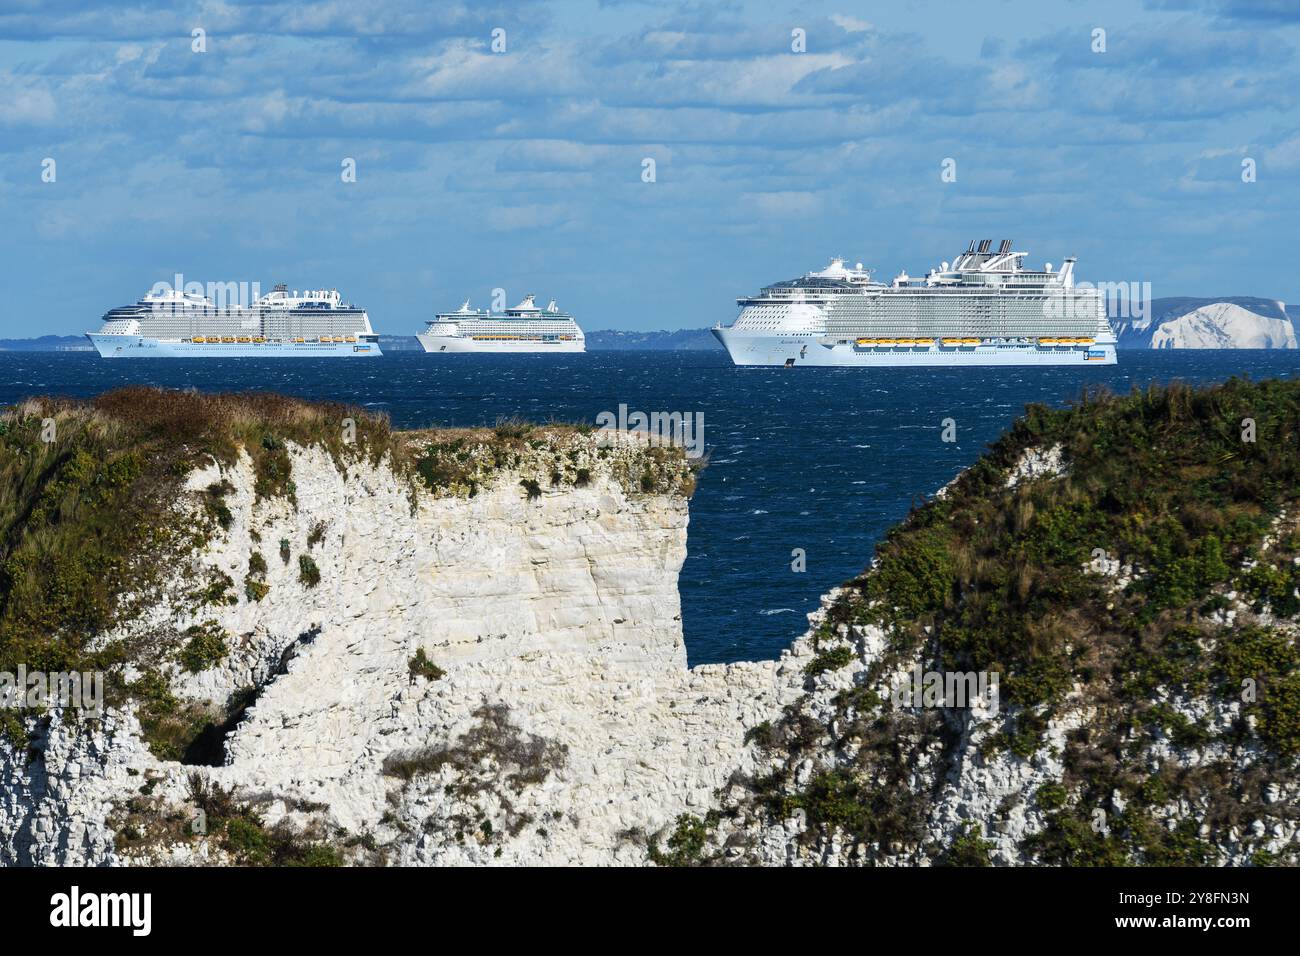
(970, 250)
(984, 246)
(1005, 247)
(1067, 273)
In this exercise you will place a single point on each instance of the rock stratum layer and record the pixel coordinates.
(432, 648)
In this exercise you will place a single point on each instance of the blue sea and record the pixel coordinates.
(821, 460)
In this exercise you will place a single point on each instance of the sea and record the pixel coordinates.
(807, 467)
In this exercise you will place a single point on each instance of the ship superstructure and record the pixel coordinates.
(525, 328)
(175, 323)
(984, 308)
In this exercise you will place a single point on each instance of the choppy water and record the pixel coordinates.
(818, 459)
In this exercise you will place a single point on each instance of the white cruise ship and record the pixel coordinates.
(984, 308)
(525, 328)
(280, 324)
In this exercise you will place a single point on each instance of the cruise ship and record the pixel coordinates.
(280, 324)
(984, 308)
(525, 328)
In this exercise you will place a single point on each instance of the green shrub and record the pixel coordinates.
(686, 845)
(420, 666)
(968, 849)
(308, 573)
(206, 647)
(829, 660)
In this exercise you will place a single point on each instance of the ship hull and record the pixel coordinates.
(750, 349)
(139, 346)
(461, 343)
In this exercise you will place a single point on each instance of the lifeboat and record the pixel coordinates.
(350, 339)
(198, 340)
(228, 338)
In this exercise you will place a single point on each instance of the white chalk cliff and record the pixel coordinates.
(1224, 325)
(560, 611)
(1229, 323)
(564, 727)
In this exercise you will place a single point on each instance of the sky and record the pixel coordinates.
(898, 133)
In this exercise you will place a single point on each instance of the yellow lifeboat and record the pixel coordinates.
(258, 338)
(198, 339)
(245, 338)
(350, 339)
(923, 342)
(227, 338)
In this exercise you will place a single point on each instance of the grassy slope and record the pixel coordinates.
(1160, 480)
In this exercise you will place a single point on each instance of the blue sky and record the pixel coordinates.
(523, 169)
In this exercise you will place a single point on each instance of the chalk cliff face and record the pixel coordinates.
(1230, 323)
(1224, 326)
(559, 609)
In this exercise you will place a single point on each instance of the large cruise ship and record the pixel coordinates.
(525, 328)
(984, 308)
(175, 323)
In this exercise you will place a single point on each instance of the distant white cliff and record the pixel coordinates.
(1228, 323)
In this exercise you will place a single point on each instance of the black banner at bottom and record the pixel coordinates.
(243, 906)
